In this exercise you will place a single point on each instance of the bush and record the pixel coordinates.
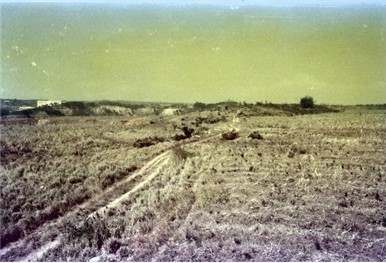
(181, 153)
(187, 134)
(110, 179)
(307, 102)
(230, 135)
(149, 141)
(255, 135)
(179, 137)
(187, 131)
(199, 105)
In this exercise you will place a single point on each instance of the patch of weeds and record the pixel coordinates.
(179, 137)
(181, 153)
(92, 232)
(124, 251)
(295, 149)
(78, 197)
(148, 141)
(212, 195)
(111, 178)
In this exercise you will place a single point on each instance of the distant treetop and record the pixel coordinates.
(307, 102)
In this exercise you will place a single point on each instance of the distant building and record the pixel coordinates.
(40, 103)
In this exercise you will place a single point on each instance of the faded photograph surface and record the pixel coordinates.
(193, 130)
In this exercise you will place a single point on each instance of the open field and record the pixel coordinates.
(77, 189)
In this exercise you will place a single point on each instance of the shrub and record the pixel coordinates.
(187, 131)
(187, 134)
(295, 149)
(148, 141)
(110, 179)
(179, 137)
(307, 102)
(230, 135)
(199, 105)
(255, 135)
(181, 153)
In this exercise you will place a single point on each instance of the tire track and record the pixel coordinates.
(156, 164)
(16, 251)
(111, 197)
(197, 175)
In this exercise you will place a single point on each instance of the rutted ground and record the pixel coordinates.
(312, 189)
(50, 232)
(92, 207)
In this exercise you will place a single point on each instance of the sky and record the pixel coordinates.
(188, 51)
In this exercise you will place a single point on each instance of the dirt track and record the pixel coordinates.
(146, 174)
(99, 205)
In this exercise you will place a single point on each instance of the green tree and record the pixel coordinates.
(307, 102)
(199, 105)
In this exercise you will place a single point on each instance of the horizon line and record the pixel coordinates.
(208, 103)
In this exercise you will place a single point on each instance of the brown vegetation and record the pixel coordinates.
(148, 141)
(78, 189)
(230, 135)
(255, 135)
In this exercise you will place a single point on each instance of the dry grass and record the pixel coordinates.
(313, 189)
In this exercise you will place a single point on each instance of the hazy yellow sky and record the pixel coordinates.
(188, 53)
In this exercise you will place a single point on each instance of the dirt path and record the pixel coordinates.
(151, 170)
(111, 197)
(14, 252)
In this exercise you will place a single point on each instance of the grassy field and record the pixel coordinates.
(78, 189)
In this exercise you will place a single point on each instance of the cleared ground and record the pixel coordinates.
(314, 188)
